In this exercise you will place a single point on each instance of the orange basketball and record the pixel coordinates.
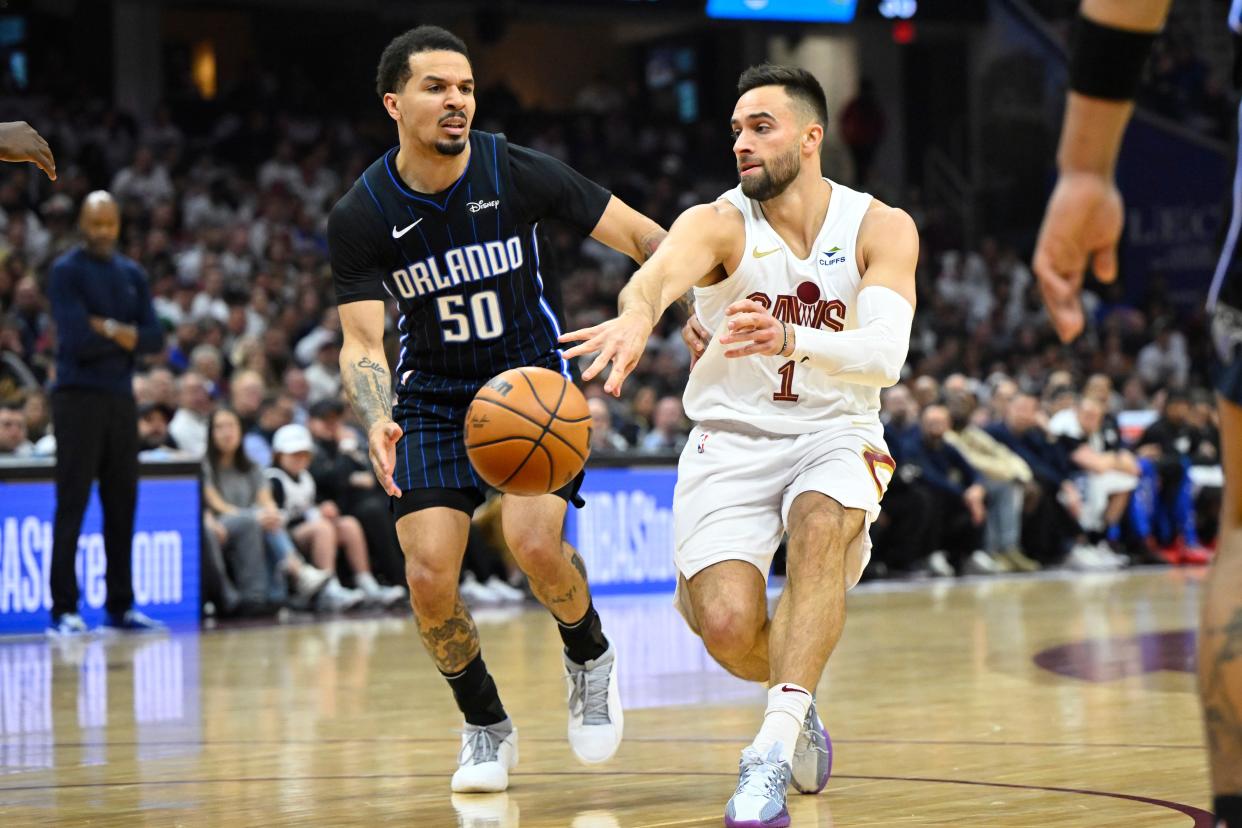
(528, 431)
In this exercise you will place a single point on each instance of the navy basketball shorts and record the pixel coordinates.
(432, 468)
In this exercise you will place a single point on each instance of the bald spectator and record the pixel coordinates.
(189, 424)
(104, 319)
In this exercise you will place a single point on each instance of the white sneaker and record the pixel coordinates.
(486, 811)
(505, 591)
(486, 757)
(336, 598)
(981, 563)
(1106, 553)
(938, 563)
(1084, 558)
(374, 593)
(476, 594)
(596, 720)
(759, 801)
(310, 580)
(67, 625)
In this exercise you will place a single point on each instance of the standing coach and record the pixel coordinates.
(104, 319)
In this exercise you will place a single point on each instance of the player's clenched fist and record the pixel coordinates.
(382, 442)
(748, 321)
(620, 341)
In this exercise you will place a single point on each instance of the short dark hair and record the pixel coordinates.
(394, 64)
(799, 84)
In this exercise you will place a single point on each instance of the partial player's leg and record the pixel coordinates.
(805, 629)
(534, 529)
(726, 604)
(433, 540)
(1220, 637)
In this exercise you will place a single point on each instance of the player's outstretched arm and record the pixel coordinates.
(628, 231)
(368, 383)
(699, 241)
(871, 353)
(1084, 219)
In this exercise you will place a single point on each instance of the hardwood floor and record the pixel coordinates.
(1035, 701)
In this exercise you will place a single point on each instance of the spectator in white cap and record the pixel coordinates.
(319, 529)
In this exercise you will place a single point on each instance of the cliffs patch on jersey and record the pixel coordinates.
(806, 306)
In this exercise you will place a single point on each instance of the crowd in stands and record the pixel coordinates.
(228, 222)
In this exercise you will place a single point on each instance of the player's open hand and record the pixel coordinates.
(1081, 227)
(383, 449)
(620, 341)
(696, 338)
(748, 321)
(19, 142)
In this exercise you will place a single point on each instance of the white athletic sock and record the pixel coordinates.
(782, 722)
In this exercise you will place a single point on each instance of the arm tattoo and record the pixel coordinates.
(647, 244)
(369, 387)
(454, 642)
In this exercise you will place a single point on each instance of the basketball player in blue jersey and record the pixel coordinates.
(445, 224)
(1082, 227)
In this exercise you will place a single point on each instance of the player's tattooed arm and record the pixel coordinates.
(364, 368)
(369, 386)
(453, 642)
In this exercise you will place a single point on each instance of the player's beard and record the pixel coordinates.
(775, 176)
(451, 146)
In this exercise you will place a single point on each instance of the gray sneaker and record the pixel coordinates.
(812, 756)
(759, 801)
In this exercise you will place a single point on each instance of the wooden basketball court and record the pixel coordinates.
(1063, 700)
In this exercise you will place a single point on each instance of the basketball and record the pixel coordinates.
(528, 431)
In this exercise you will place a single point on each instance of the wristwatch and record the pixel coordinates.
(109, 328)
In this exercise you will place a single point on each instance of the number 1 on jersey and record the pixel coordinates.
(786, 393)
(456, 325)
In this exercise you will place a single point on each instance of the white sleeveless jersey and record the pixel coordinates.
(772, 393)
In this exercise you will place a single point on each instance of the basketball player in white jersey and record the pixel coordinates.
(808, 289)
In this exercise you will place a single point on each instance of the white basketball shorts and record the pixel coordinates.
(734, 490)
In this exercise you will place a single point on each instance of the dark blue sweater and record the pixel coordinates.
(82, 286)
(1048, 460)
(942, 465)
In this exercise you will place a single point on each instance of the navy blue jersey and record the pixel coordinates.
(463, 264)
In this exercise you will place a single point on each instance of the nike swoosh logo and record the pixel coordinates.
(785, 688)
(396, 234)
(759, 255)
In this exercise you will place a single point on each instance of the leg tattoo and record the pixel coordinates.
(454, 642)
